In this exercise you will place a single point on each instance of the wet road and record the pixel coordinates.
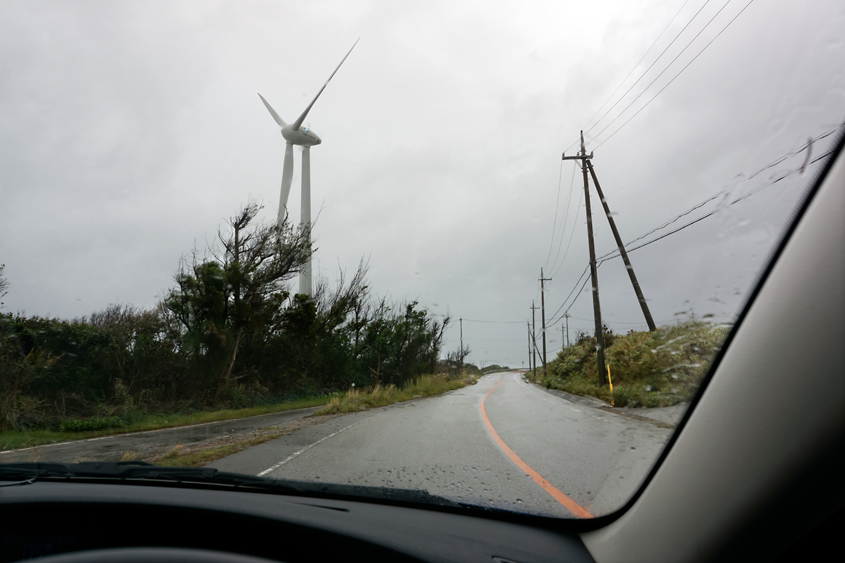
(501, 442)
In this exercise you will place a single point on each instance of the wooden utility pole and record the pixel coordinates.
(566, 315)
(583, 157)
(534, 334)
(543, 314)
(461, 369)
(528, 330)
(628, 266)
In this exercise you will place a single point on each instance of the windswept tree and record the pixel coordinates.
(316, 336)
(455, 360)
(400, 342)
(4, 284)
(144, 352)
(236, 292)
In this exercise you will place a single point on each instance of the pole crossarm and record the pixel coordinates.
(576, 157)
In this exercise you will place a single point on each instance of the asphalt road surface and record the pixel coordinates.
(501, 443)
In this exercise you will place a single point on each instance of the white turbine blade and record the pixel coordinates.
(275, 115)
(287, 176)
(298, 123)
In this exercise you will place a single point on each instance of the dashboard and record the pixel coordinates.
(52, 518)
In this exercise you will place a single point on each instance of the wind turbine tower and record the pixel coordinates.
(295, 134)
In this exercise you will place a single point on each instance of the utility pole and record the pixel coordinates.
(566, 315)
(528, 330)
(562, 341)
(583, 157)
(628, 266)
(534, 334)
(461, 356)
(543, 314)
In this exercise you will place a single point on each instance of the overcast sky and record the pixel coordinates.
(130, 130)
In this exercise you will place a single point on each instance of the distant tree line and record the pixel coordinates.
(493, 367)
(229, 334)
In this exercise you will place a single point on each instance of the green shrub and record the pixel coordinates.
(620, 396)
(649, 369)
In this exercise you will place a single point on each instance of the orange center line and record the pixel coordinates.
(567, 502)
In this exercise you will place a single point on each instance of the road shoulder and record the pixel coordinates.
(664, 417)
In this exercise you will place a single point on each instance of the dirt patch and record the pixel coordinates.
(203, 452)
(641, 418)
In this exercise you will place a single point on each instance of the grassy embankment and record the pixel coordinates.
(351, 401)
(425, 386)
(647, 369)
(136, 422)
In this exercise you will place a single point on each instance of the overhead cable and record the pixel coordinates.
(775, 162)
(491, 322)
(672, 80)
(655, 62)
(665, 69)
(571, 233)
(565, 219)
(554, 225)
(641, 60)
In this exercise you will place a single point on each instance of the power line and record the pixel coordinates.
(554, 225)
(655, 62)
(598, 265)
(565, 218)
(491, 322)
(575, 299)
(609, 321)
(667, 68)
(642, 75)
(737, 200)
(638, 64)
(553, 321)
(669, 222)
(572, 232)
(783, 176)
(797, 151)
(775, 162)
(674, 77)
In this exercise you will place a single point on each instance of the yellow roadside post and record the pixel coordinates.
(611, 385)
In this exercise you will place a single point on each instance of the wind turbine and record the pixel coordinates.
(295, 134)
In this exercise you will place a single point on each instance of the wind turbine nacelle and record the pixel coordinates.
(301, 136)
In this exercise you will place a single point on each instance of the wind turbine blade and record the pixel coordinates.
(287, 176)
(275, 115)
(298, 123)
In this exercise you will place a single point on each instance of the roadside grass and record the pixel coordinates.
(380, 396)
(137, 422)
(181, 456)
(656, 369)
(198, 458)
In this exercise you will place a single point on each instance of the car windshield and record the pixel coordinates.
(524, 234)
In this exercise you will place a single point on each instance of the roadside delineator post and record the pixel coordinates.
(611, 385)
